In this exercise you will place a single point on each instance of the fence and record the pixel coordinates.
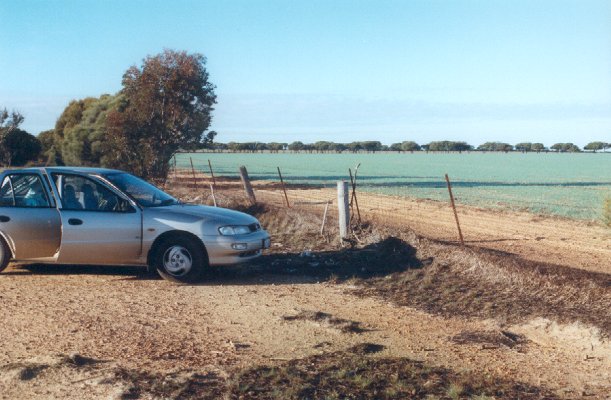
(321, 200)
(434, 216)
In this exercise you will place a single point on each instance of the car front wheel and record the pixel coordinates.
(181, 259)
(5, 255)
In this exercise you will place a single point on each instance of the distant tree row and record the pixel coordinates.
(406, 146)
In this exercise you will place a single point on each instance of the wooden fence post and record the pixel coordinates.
(247, 186)
(283, 189)
(193, 171)
(353, 197)
(211, 173)
(462, 241)
(343, 208)
(212, 192)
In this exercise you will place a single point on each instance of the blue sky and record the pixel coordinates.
(312, 70)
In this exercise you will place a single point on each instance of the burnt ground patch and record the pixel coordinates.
(485, 284)
(354, 373)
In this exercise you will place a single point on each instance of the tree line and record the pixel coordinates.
(406, 146)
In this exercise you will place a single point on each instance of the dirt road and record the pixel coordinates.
(115, 316)
(69, 331)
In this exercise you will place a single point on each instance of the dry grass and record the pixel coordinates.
(488, 284)
(437, 277)
(355, 374)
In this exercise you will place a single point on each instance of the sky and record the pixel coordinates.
(485, 70)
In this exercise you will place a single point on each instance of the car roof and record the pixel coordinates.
(81, 170)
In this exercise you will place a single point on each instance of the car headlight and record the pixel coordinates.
(234, 230)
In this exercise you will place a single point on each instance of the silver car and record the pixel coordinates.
(97, 216)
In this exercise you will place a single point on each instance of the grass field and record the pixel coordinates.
(570, 185)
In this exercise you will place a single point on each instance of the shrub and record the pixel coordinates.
(607, 212)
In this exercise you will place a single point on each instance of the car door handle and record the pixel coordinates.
(75, 221)
(4, 218)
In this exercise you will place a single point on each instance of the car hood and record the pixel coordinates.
(191, 213)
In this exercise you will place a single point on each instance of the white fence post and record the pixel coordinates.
(343, 207)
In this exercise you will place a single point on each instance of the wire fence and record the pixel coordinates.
(397, 206)
(320, 200)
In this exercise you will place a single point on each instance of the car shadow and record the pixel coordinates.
(379, 259)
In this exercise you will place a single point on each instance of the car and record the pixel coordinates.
(97, 216)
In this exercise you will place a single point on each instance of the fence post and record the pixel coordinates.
(324, 218)
(283, 189)
(462, 241)
(211, 173)
(343, 208)
(212, 192)
(247, 186)
(193, 171)
(353, 197)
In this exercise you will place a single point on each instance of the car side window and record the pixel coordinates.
(23, 190)
(79, 193)
(6, 193)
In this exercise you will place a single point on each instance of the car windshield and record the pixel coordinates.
(141, 191)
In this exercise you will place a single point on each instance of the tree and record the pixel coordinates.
(410, 146)
(8, 123)
(296, 146)
(593, 146)
(395, 147)
(22, 146)
(338, 147)
(85, 138)
(524, 147)
(355, 146)
(166, 104)
(275, 147)
(565, 148)
(538, 147)
(47, 140)
(446, 145)
(372, 146)
(322, 146)
(495, 146)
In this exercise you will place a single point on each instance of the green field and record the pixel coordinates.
(571, 185)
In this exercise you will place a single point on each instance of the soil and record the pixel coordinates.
(372, 319)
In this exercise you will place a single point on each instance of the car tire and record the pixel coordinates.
(5, 255)
(180, 259)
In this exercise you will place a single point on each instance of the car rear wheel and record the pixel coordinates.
(180, 259)
(5, 255)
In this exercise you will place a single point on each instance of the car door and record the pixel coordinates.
(98, 225)
(29, 221)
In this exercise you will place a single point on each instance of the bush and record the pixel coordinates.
(607, 212)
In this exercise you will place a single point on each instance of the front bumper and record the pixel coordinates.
(227, 250)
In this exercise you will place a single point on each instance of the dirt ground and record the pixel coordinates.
(102, 332)
(581, 244)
